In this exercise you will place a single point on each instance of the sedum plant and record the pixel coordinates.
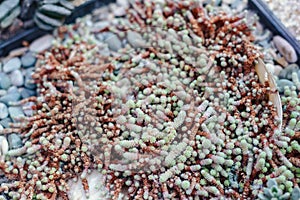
(272, 192)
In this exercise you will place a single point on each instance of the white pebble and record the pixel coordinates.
(3, 111)
(17, 78)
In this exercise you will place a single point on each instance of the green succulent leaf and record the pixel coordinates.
(267, 193)
(271, 183)
(67, 4)
(50, 1)
(10, 18)
(48, 20)
(295, 194)
(262, 197)
(7, 7)
(42, 25)
(54, 10)
(285, 196)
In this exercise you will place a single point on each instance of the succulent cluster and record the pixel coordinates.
(9, 11)
(175, 111)
(48, 14)
(51, 13)
(273, 192)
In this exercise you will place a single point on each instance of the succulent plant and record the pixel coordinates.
(51, 13)
(274, 192)
(295, 194)
(9, 10)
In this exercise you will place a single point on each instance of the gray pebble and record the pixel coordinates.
(136, 40)
(28, 79)
(17, 78)
(4, 81)
(3, 111)
(14, 141)
(5, 122)
(18, 51)
(28, 60)
(12, 89)
(277, 69)
(287, 72)
(114, 43)
(123, 3)
(282, 83)
(3, 92)
(104, 51)
(119, 11)
(25, 93)
(285, 49)
(13, 97)
(12, 65)
(29, 83)
(41, 43)
(98, 26)
(15, 112)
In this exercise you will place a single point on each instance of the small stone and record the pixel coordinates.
(114, 43)
(136, 40)
(12, 65)
(41, 43)
(282, 83)
(28, 60)
(14, 141)
(119, 11)
(18, 52)
(5, 122)
(270, 68)
(3, 147)
(98, 26)
(29, 83)
(29, 72)
(4, 81)
(12, 89)
(3, 111)
(13, 97)
(281, 61)
(3, 92)
(17, 78)
(1, 127)
(15, 112)
(285, 49)
(277, 69)
(123, 3)
(25, 93)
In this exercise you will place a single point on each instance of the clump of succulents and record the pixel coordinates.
(51, 13)
(48, 14)
(272, 192)
(9, 11)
